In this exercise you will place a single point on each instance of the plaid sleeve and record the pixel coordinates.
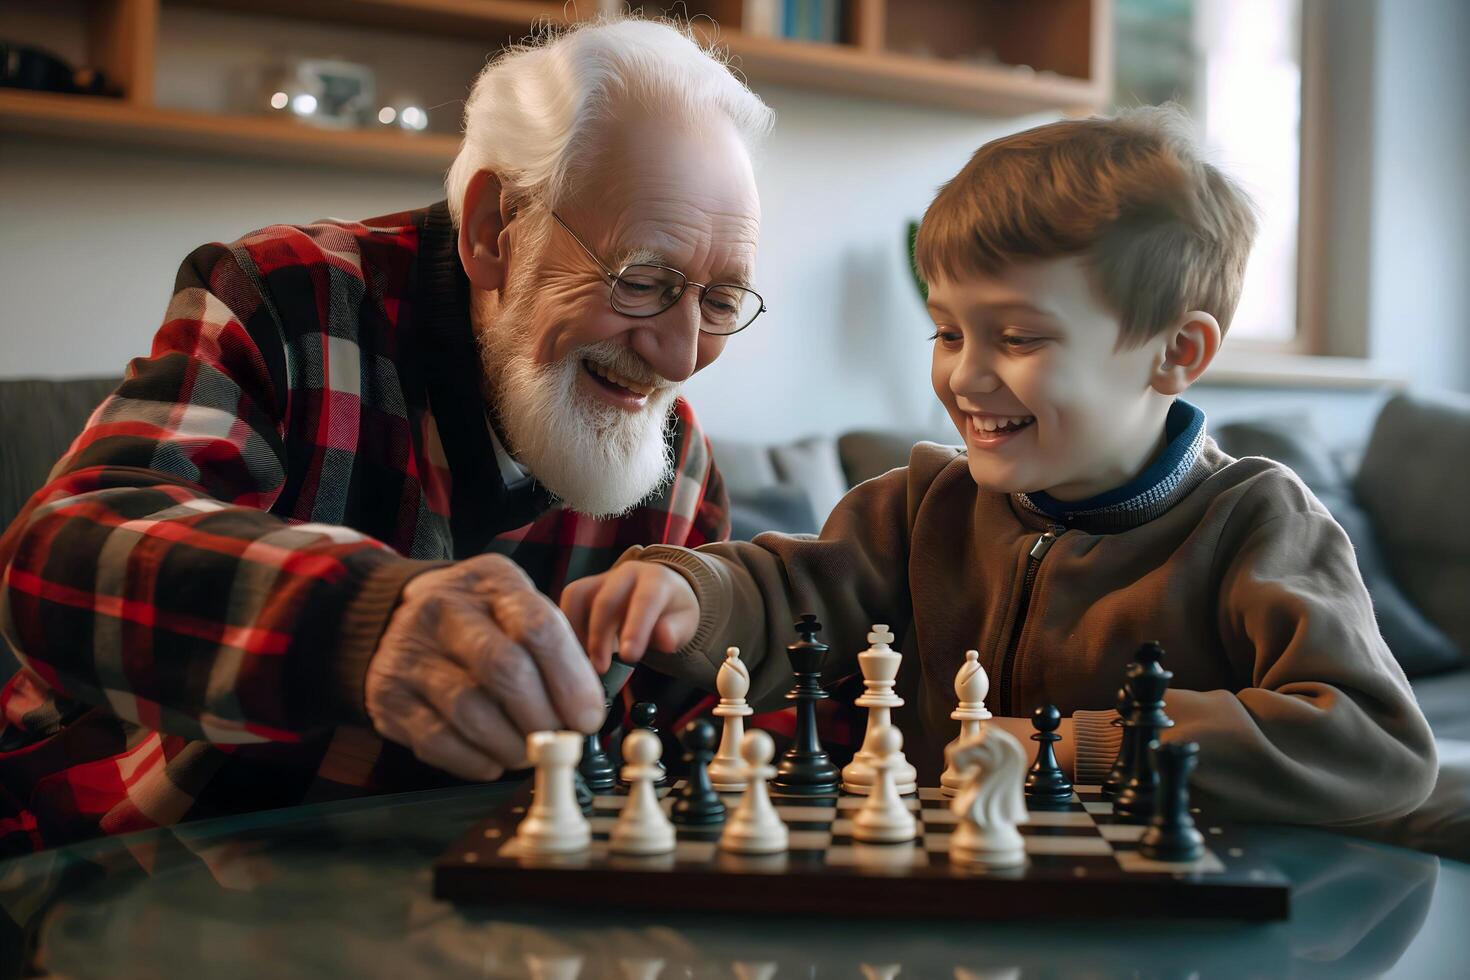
(147, 577)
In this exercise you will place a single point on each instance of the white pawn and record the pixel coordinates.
(884, 818)
(726, 770)
(642, 827)
(991, 803)
(554, 824)
(755, 827)
(970, 685)
(879, 664)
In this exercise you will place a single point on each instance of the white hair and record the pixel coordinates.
(533, 112)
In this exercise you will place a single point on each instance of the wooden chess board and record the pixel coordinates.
(1083, 863)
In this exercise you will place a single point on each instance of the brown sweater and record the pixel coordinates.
(1280, 673)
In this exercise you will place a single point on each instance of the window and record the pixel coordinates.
(1236, 66)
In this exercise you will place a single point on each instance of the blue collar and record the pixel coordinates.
(1184, 428)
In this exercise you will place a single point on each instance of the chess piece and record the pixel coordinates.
(1047, 787)
(642, 827)
(1118, 775)
(558, 967)
(753, 971)
(1171, 835)
(727, 771)
(884, 817)
(649, 968)
(971, 685)
(805, 768)
(1147, 682)
(642, 717)
(697, 801)
(583, 793)
(599, 774)
(554, 824)
(989, 804)
(755, 827)
(879, 664)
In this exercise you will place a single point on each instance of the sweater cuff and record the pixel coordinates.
(363, 623)
(711, 586)
(1098, 739)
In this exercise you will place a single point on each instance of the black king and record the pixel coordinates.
(805, 769)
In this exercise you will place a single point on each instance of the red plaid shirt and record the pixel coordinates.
(196, 592)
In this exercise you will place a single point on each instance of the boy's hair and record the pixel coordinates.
(1163, 231)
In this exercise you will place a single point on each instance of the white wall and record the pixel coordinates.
(92, 237)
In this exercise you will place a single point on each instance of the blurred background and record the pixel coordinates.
(133, 130)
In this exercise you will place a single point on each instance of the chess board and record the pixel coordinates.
(1083, 863)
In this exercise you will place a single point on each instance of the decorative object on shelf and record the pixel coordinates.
(405, 112)
(26, 67)
(323, 92)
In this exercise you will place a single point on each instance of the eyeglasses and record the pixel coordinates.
(644, 289)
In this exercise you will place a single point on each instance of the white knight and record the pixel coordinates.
(991, 801)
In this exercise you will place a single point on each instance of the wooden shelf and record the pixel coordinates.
(845, 69)
(105, 120)
(124, 37)
(489, 20)
(849, 70)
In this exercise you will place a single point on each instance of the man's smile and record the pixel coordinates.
(615, 388)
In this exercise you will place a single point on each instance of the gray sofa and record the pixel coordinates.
(1398, 494)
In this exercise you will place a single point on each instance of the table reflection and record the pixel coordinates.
(344, 890)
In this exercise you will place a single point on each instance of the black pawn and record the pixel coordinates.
(584, 794)
(1047, 787)
(1147, 682)
(642, 716)
(596, 766)
(1118, 775)
(805, 768)
(697, 801)
(1171, 835)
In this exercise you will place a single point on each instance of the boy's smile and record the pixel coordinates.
(1026, 365)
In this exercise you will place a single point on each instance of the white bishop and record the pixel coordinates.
(970, 685)
(726, 769)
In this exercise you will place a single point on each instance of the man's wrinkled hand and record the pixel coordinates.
(635, 606)
(473, 659)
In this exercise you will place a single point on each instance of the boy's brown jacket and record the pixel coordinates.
(1280, 673)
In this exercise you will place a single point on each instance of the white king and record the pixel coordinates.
(727, 768)
(879, 664)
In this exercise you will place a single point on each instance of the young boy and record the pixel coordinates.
(1081, 276)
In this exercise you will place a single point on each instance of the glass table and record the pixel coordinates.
(344, 890)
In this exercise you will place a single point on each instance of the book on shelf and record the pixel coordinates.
(796, 20)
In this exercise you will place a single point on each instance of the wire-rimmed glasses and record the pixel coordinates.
(644, 289)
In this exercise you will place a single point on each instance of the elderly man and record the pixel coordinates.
(320, 530)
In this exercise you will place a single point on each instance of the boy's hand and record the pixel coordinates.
(625, 611)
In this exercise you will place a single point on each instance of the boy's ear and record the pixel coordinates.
(1190, 345)
(484, 232)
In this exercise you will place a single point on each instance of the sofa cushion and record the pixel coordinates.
(1413, 482)
(1418, 645)
(780, 507)
(38, 421)
(868, 454)
(812, 464)
(1445, 700)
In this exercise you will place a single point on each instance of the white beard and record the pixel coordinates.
(597, 459)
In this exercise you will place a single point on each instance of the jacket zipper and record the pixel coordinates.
(1033, 564)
